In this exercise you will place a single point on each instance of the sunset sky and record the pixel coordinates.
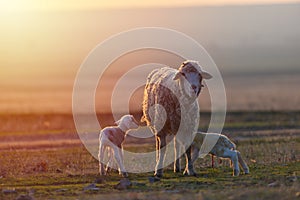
(29, 5)
(42, 45)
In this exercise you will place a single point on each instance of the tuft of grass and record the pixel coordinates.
(77, 170)
(64, 172)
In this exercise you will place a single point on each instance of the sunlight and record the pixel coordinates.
(14, 5)
(56, 5)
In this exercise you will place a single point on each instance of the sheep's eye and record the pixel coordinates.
(202, 85)
(183, 74)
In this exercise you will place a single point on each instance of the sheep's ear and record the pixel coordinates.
(206, 75)
(177, 76)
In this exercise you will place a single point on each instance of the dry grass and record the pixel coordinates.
(269, 142)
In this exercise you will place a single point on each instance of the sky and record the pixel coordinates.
(37, 5)
(43, 45)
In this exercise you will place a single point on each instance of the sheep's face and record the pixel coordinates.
(191, 76)
(127, 122)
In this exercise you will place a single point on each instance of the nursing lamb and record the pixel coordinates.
(111, 140)
(224, 148)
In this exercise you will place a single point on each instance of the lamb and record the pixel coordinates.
(170, 107)
(224, 148)
(110, 141)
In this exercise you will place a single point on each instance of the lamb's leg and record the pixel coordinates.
(189, 169)
(243, 163)
(161, 156)
(118, 157)
(107, 169)
(110, 163)
(234, 158)
(177, 167)
(100, 157)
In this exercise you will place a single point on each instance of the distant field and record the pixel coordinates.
(41, 155)
(247, 92)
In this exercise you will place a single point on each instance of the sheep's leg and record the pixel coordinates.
(234, 158)
(157, 148)
(100, 157)
(195, 154)
(189, 169)
(118, 158)
(177, 167)
(243, 163)
(161, 156)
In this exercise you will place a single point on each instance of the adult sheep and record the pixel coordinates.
(170, 107)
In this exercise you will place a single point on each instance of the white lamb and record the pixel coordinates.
(170, 98)
(110, 142)
(224, 148)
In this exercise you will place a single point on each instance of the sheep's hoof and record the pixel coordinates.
(159, 173)
(236, 172)
(103, 173)
(190, 173)
(125, 174)
(185, 173)
(108, 169)
(177, 167)
(176, 170)
(247, 171)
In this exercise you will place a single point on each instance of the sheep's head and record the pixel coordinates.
(193, 74)
(127, 122)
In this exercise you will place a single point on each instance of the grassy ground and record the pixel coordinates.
(269, 142)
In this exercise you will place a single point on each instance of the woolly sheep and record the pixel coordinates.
(110, 141)
(176, 92)
(224, 148)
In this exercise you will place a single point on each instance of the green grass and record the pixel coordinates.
(67, 171)
(211, 182)
(62, 173)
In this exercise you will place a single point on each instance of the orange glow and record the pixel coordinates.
(42, 44)
(37, 5)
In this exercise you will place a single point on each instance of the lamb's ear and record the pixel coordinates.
(177, 76)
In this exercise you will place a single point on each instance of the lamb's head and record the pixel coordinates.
(191, 75)
(127, 122)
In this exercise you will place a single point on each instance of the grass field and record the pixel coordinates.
(42, 157)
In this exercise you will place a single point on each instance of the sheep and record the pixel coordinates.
(170, 98)
(110, 141)
(224, 148)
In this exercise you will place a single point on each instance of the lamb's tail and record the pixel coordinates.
(228, 143)
(233, 146)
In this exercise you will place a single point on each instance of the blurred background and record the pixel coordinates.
(255, 44)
